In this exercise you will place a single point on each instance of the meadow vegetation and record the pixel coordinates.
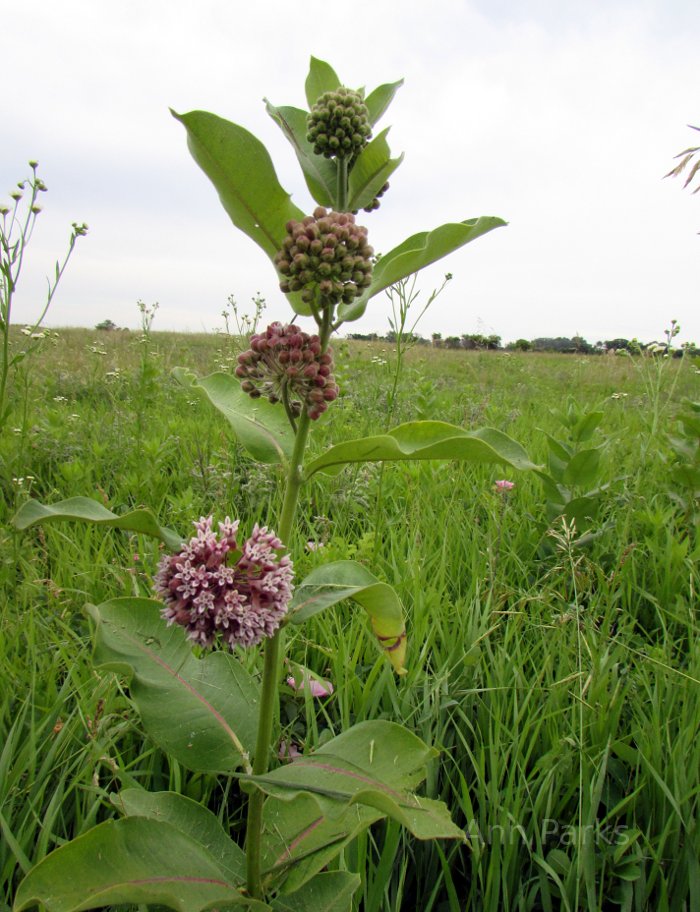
(554, 664)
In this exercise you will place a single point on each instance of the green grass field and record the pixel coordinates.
(559, 679)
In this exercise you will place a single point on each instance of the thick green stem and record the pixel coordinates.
(341, 200)
(287, 407)
(268, 702)
(294, 478)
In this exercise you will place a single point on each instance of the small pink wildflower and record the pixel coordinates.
(503, 486)
(314, 545)
(317, 688)
(288, 751)
(216, 587)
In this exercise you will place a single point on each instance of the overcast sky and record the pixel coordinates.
(560, 116)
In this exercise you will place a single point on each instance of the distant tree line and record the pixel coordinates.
(470, 342)
(576, 345)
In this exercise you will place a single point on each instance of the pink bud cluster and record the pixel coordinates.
(285, 360)
(326, 257)
(216, 588)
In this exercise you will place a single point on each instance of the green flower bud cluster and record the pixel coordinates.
(284, 361)
(326, 257)
(338, 125)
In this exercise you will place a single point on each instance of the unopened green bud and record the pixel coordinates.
(338, 125)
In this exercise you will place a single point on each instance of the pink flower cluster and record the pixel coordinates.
(214, 587)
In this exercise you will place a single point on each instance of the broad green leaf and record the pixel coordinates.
(583, 468)
(415, 253)
(371, 171)
(84, 509)
(691, 425)
(389, 752)
(299, 839)
(322, 78)
(554, 510)
(332, 583)
(557, 468)
(134, 860)
(569, 415)
(241, 169)
(380, 98)
(584, 428)
(189, 818)
(262, 429)
(377, 764)
(202, 711)
(425, 440)
(558, 458)
(686, 475)
(552, 491)
(320, 173)
(330, 891)
(683, 447)
(559, 449)
(582, 510)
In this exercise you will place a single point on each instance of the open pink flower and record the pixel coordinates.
(218, 587)
(503, 486)
(317, 688)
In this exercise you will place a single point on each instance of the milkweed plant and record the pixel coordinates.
(228, 588)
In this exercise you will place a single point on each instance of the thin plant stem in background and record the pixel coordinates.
(403, 295)
(17, 223)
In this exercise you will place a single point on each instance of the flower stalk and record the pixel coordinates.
(272, 658)
(341, 201)
(271, 671)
